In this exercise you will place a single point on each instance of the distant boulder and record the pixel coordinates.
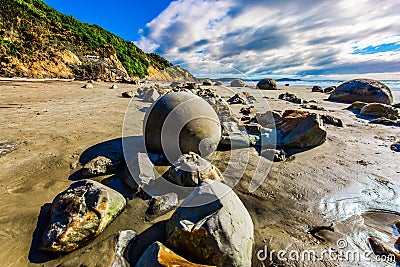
(238, 83)
(267, 84)
(114, 86)
(218, 83)
(317, 89)
(329, 89)
(365, 90)
(207, 82)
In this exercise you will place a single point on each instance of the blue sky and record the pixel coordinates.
(336, 39)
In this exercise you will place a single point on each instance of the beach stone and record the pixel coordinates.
(194, 125)
(329, 119)
(123, 239)
(329, 89)
(114, 86)
(88, 86)
(128, 94)
(238, 98)
(291, 98)
(143, 172)
(277, 155)
(158, 255)
(267, 84)
(79, 214)
(379, 110)
(160, 205)
(267, 118)
(221, 107)
(300, 129)
(190, 169)
(317, 89)
(395, 147)
(217, 233)
(207, 82)
(397, 105)
(100, 166)
(365, 90)
(248, 110)
(151, 95)
(232, 137)
(176, 84)
(356, 106)
(218, 83)
(238, 83)
(191, 86)
(385, 121)
(313, 107)
(7, 147)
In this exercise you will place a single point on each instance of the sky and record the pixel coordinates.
(320, 39)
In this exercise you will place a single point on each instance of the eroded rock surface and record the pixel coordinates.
(160, 205)
(379, 110)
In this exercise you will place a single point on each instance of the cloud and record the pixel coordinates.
(288, 37)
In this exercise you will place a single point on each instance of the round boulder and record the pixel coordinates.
(365, 90)
(207, 82)
(267, 84)
(179, 123)
(238, 83)
(379, 110)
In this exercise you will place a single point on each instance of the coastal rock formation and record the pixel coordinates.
(329, 119)
(238, 83)
(300, 129)
(158, 255)
(365, 90)
(194, 125)
(100, 166)
(317, 89)
(160, 205)
(267, 84)
(151, 95)
(191, 169)
(276, 154)
(379, 110)
(217, 233)
(291, 98)
(142, 172)
(79, 214)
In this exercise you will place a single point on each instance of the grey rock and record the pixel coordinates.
(267, 84)
(237, 83)
(385, 121)
(100, 166)
(151, 95)
(395, 147)
(79, 214)
(329, 89)
(267, 118)
(276, 155)
(143, 172)
(176, 84)
(7, 147)
(123, 239)
(219, 232)
(160, 205)
(379, 110)
(365, 90)
(291, 98)
(233, 137)
(88, 86)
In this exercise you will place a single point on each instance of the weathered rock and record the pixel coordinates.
(267, 84)
(329, 119)
(158, 255)
(191, 86)
(356, 106)
(176, 84)
(207, 82)
(251, 127)
(238, 98)
(291, 98)
(385, 121)
(79, 214)
(313, 107)
(194, 125)
(300, 129)
(218, 83)
(221, 107)
(379, 110)
(124, 237)
(100, 166)
(151, 95)
(395, 147)
(160, 205)
(88, 86)
(218, 233)
(143, 172)
(365, 90)
(276, 154)
(248, 110)
(267, 118)
(128, 94)
(329, 89)
(232, 137)
(114, 86)
(317, 89)
(238, 83)
(190, 169)
(7, 147)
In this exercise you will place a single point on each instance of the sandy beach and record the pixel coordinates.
(350, 181)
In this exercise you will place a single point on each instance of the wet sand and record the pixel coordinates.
(351, 180)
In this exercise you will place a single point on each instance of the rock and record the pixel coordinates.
(385, 121)
(176, 84)
(90, 81)
(328, 119)
(232, 137)
(356, 106)
(329, 89)
(194, 125)
(397, 105)
(300, 129)
(207, 82)
(276, 154)
(291, 98)
(267, 84)
(100, 166)
(158, 255)
(212, 226)
(7, 147)
(395, 147)
(190, 169)
(238, 98)
(160, 205)
(143, 172)
(267, 118)
(114, 86)
(251, 127)
(79, 214)
(317, 89)
(128, 94)
(379, 110)
(151, 95)
(238, 83)
(248, 110)
(313, 107)
(124, 237)
(191, 86)
(221, 107)
(218, 83)
(88, 86)
(365, 90)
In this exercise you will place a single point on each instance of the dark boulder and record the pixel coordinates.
(267, 84)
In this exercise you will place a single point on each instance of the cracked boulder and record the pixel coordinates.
(212, 226)
(79, 214)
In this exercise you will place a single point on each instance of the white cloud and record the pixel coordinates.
(289, 37)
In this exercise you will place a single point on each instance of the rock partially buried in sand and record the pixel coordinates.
(365, 90)
(267, 84)
(356, 106)
(160, 205)
(191, 169)
(158, 255)
(128, 94)
(100, 166)
(114, 86)
(79, 214)
(317, 89)
(329, 119)
(217, 233)
(185, 121)
(379, 110)
(238, 83)
(300, 129)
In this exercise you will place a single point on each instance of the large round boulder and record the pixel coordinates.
(179, 123)
(365, 90)
(238, 83)
(267, 84)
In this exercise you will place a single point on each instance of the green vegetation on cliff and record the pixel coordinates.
(30, 30)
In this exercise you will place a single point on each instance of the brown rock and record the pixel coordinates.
(379, 110)
(267, 84)
(356, 106)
